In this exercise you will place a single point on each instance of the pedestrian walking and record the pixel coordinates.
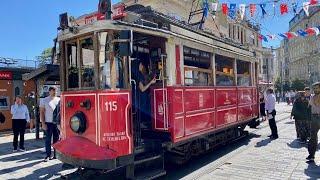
(262, 106)
(20, 117)
(315, 121)
(292, 95)
(271, 113)
(287, 96)
(47, 106)
(278, 97)
(300, 112)
(31, 104)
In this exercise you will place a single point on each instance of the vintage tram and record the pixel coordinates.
(205, 92)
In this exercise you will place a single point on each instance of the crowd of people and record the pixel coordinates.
(305, 112)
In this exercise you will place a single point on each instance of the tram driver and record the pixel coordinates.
(144, 96)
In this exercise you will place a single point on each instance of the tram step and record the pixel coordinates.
(151, 174)
(148, 159)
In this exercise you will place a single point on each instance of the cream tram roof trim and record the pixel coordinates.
(218, 47)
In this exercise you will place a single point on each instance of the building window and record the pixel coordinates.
(238, 28)
(224, 71)
(197, 67)
(4, 102)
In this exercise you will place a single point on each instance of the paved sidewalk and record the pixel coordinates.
(262, 158)
(28, 164)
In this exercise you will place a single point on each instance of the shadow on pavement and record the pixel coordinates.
(290, 122)
(43, 173)
(263, 142)
(29, 144)
(296, 144)
(178, 172)
(313, 170)
(24, 157)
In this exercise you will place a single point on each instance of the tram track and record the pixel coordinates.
(225, 158)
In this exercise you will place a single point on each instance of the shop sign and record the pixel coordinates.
(5, 75)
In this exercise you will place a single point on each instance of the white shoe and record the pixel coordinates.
(15, 150)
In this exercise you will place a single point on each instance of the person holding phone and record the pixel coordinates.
(143, 95)
(20, 117)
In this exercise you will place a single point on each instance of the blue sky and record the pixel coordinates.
(28, 27)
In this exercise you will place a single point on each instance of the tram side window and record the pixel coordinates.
(87, 63)
(224, 71)
(197, 67)
(73, 70)
(243, 73)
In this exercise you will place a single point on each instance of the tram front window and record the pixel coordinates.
(72, 63)
(110, 64)
(87, 63)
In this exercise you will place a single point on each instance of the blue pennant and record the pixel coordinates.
(302, 33)
(263, 6)
(232, 11)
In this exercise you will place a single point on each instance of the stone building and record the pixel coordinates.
(242, 33)
(304, 52)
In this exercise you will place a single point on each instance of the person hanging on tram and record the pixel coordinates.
(144, 96)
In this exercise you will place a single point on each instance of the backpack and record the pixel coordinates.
(2, 118)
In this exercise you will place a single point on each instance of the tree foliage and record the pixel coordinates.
(277, 84)
(45, 57)
(297, 84)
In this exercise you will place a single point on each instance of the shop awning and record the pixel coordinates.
(50, 72)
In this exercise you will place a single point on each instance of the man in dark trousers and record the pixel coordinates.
(271, 113)
(315, 121)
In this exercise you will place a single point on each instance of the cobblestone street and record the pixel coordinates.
(255, 157)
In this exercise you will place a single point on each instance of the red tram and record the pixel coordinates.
(205, 93)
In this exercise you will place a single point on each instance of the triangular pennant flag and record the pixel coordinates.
(213, 8)
(262, 37)
(205, 8)
(310, 31)
(290, 35)
(253, 9)
(306, 7)
(224, 8)
(313, 2)
(271, 36)
(302, 33)
(294, 7)
(283, 8)
(232, 11)
(263, 6)
(242, 9)
(283, 35)
(316, 30)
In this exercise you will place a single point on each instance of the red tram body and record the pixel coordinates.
(100, 123)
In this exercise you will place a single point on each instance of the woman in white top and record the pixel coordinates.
(20, 117)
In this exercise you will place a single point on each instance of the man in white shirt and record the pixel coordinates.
(47, 106)
(271, 113)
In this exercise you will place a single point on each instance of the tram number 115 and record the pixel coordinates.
(111, 106)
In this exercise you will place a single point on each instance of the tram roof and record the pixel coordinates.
(175, 29)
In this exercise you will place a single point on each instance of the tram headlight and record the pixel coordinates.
(78, 122)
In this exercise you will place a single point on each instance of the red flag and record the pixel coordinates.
(225, 8)
(283, 8)
(290, 35)
(310, 31)
(313, 2)
(253, 9)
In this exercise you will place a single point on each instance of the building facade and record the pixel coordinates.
(304, 52)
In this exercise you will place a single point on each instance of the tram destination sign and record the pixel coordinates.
(5, 75)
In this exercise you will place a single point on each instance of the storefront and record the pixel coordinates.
(11, 85)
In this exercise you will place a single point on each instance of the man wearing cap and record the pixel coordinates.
(315, 121)
(47, 106)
